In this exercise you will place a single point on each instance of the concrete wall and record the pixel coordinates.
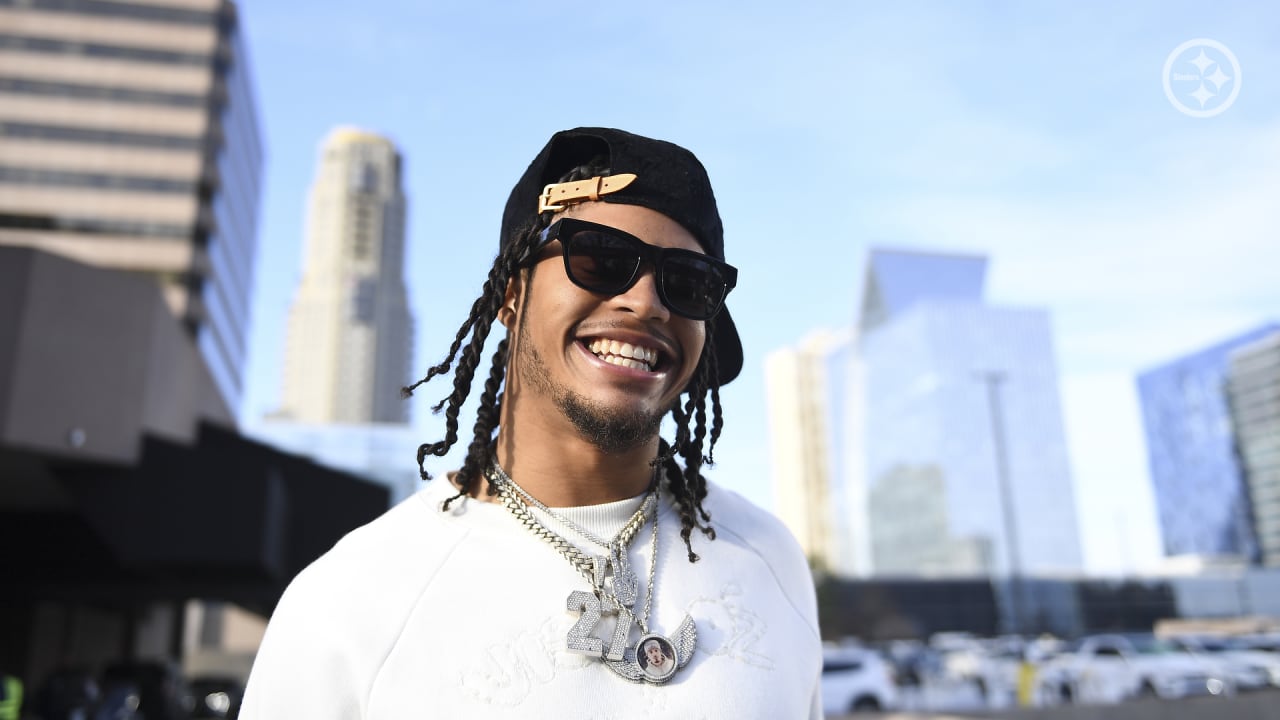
(91, 359)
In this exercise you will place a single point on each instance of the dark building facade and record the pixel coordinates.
(878, 610)
(124, 489)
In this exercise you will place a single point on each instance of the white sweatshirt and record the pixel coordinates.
(461, 614)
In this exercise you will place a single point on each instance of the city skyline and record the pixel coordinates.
(919, 126)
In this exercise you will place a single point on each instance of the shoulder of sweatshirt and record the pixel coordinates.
(738, 520)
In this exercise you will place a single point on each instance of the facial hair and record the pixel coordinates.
(611, 430)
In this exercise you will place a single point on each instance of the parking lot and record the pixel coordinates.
(1261, 705)
(1130, 675)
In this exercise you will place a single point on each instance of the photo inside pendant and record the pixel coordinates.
(656, 656)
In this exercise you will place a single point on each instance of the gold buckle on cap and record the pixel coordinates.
(566, 194)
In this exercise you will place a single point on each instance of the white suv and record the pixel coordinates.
(856, 680)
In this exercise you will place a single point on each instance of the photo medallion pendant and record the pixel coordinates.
(654, 659)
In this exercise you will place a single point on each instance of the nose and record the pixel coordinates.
(642, 298)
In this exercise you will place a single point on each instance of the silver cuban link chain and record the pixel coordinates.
(625, 583)
(655, 658)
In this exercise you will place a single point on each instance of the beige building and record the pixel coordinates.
(129, 139)
(348, 343)
(812, 417)
(1253, 383)
(220, 639)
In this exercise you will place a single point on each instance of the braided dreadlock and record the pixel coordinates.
(686, 484)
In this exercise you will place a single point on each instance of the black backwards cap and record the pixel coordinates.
(663, 177)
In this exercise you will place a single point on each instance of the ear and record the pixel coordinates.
(511, 300)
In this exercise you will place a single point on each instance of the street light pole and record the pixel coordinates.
(993, 379)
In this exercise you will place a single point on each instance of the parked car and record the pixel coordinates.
(120, 701)
(1114, 668)
(66, 693)
(856, 679)
(912, 662)
(1266, 642)
(216, 697)
(1249, 668)
(75, 694)
(162, 692)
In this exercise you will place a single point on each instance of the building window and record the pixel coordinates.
(97, 92)
(98, 50)
(100, 181)
(118, 9)
(89, 135)
(93, 226)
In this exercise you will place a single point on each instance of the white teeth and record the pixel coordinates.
(624, 354)
(633, 364)
(625, 363)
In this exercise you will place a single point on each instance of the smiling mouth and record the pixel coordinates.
(624, 354)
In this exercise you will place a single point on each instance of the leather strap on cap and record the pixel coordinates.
(557, 196)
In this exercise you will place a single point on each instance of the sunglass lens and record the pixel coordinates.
(601, 262)
(694, 287)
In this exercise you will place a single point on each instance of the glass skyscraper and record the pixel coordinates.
(1200, 489)
(960, 448)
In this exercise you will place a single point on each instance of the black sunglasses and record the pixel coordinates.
(605, 260)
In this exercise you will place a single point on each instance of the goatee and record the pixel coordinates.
(611, 430)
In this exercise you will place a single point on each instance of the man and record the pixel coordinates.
(527, 584)
(658, 665)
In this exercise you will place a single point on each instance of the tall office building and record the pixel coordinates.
(348, 343)
(811, 413)
(129, 139)
(800, 439)
(1253, 382)
(961, 450)
(1200, 489)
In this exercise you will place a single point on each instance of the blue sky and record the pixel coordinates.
(1036, 133)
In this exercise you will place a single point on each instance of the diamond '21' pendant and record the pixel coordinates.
(654, 659)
